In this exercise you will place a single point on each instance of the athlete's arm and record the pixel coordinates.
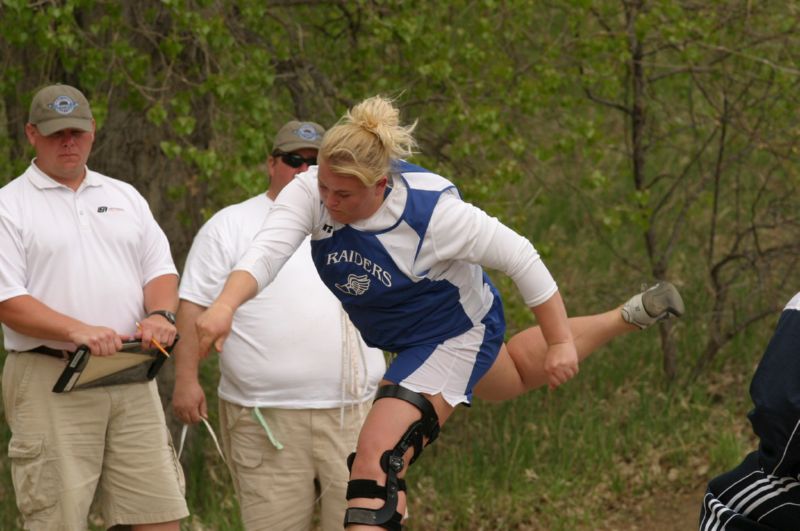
(291, 219)
(561, 363)
(214, 324)
(461, 231)
(288, 223)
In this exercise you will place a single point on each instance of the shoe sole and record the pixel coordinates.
(663, 298)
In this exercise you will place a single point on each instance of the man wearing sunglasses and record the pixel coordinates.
(296, 377)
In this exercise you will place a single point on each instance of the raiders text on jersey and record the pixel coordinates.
(354, 257)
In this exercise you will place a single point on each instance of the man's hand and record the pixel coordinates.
(213, 327)
(189, 401)
(101, 340)
(561, 363)
(156, 327)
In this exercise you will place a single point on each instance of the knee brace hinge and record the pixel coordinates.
(392, 463)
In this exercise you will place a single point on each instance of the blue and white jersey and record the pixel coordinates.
(410, 273)
(385, 278)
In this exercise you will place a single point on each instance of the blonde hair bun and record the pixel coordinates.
(367, 139)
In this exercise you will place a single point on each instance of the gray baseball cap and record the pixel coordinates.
(296, 135)
(60, 107)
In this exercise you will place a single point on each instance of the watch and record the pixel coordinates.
(166, 314)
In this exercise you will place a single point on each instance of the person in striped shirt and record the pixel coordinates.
(763, 492)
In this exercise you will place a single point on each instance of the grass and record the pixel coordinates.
(546, 460)
(555, 460)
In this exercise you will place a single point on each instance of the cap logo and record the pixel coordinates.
(307, 132)
(63, 105)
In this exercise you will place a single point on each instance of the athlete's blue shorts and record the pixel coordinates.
(454, 366)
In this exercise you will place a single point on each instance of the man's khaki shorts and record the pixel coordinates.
(64, 447)
(279, 489)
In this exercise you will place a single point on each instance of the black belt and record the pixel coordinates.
(47, 351)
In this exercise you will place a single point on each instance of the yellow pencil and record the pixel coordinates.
(154, 342)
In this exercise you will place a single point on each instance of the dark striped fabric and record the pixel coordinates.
(748, 499)
(763, 492)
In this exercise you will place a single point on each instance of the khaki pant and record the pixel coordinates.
(64, 447)
(278, 489)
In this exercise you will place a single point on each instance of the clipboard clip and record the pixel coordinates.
(77, 362)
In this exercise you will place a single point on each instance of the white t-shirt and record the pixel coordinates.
(85, 253)
(292, 345)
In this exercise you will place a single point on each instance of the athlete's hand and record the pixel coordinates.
(213, 327)
(101, 340)
(561, 363)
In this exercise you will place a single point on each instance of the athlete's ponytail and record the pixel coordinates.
(366, 141)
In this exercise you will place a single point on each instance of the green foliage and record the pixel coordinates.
(625, 140)
(727, 451)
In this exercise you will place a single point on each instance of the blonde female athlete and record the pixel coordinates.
(404, 254)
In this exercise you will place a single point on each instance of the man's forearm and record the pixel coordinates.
(30, 316)
(187, 360)
(161, 293)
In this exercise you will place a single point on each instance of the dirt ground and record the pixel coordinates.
(671, 512)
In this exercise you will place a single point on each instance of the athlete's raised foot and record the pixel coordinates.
(654, 304)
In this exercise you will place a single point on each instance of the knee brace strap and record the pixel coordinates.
(355, 515)
(368, 488)
(392, 463)
(386, 516)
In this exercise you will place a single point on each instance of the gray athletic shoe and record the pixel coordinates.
(653, 304)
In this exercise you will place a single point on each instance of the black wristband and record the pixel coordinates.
(166, 314)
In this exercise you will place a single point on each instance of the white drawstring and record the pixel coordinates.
(261, 420)
(354, 380)
(353, 358)
(185, 429)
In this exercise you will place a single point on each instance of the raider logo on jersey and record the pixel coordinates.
(350, 256)
(356, 285)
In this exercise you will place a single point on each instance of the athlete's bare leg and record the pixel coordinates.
(520, 363)
(384, 426)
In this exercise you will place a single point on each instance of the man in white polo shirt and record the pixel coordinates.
(82, 261)
(296, 377)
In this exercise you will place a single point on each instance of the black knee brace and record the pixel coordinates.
(392, 463)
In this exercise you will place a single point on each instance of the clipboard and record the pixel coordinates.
(132, 363)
